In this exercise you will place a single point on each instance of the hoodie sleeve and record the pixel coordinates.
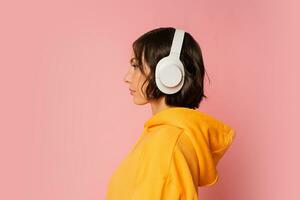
(156, 189)
(181, 180)
(184, 168)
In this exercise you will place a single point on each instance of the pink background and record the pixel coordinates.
(67, 118)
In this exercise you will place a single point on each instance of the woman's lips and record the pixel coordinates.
(131, 91)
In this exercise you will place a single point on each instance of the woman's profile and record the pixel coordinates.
(180, 146)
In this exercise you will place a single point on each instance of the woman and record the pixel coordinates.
(180, 146)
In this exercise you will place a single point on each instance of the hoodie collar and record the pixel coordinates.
(178, 116)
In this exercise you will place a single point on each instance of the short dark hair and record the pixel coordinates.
(156, 44)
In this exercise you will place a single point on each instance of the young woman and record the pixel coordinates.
(180, 146)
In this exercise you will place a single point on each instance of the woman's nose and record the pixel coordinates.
(126, 77)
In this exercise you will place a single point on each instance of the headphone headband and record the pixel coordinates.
(177, 42)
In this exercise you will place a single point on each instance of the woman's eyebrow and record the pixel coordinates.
(131, 60)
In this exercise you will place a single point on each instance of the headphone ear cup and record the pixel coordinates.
(169, 75)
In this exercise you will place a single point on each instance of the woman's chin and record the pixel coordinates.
(139, 101)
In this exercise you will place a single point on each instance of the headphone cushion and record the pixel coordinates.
(169, 73)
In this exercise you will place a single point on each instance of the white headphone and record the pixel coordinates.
(169, 72)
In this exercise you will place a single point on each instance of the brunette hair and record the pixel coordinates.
(155, 44)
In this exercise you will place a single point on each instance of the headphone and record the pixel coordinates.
(169, 71)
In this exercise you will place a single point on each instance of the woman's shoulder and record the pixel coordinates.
(164, 136)
(160, 142)
(156, 149)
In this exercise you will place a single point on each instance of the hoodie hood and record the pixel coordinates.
(209, 136)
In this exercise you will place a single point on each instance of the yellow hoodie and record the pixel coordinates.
(178, 151)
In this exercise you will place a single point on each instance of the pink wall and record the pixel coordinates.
(67, 118)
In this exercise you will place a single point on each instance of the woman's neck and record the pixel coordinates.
(159, 105)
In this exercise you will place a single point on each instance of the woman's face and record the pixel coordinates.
(135, 79)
